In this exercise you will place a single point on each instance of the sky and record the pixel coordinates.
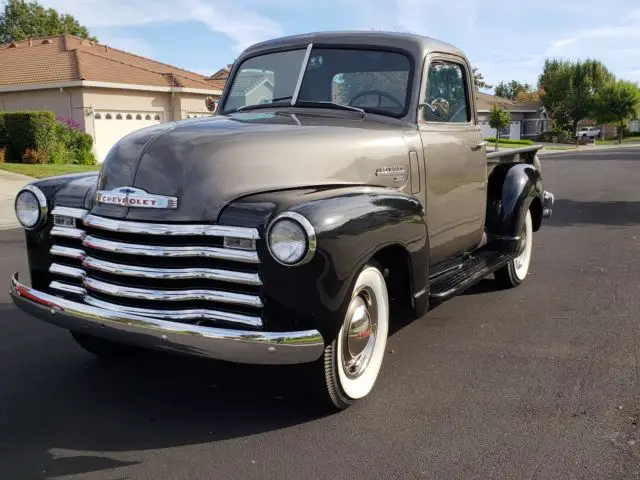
(506, 40)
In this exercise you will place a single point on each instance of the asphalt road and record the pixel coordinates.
(540, 382)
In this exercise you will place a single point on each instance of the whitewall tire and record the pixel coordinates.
(353, 360)
(515, 272)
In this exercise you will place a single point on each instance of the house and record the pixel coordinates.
(108, 92)
(527, 119)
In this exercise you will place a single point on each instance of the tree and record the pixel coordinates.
(569, 88)
(478, 80)
(499, 119)
(527, 97)
(21, 20)
(617, 102)
(512, 89)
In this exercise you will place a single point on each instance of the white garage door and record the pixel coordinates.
(111, 126)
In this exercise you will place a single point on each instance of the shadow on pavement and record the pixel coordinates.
(615, 213)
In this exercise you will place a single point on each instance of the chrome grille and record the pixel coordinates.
(184, 273)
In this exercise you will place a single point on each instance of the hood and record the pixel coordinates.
(206, 163)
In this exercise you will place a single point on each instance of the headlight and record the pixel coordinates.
(31, 207)
(291, 239)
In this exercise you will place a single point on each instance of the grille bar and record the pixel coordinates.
(125, 226)
(67, 252)
(244, 278)
(68, 232)
(179, 315)
(65, 287)
(172, 295)
(67, 271)
(70, 212)
(244, 256)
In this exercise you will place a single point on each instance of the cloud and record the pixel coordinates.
(242, 25)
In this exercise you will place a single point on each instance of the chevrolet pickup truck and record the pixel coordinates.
(342, 178)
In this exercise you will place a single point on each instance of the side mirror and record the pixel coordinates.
(440, 106)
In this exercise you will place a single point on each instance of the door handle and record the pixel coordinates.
(479, 145)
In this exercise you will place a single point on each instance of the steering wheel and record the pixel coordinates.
(380, 95)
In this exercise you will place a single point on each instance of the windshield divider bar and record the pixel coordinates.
(305, 62)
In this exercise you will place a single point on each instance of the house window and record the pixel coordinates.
(108, 116)
(447, 93)
(118, 117)
(157, 117)
(97, 116)
(129, 117)
(148, 117)
(138, 117)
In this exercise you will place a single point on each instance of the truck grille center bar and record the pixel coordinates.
(172, 272)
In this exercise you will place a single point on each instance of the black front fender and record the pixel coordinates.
(351, 225)
(513, 189)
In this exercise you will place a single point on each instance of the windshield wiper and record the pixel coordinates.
(261, 105)
(339, 106)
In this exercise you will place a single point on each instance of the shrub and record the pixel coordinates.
(61, 154)
(28, 131)
(509, 141)
(33, 156)
(2, 152)
(4, 135)
(73, 145)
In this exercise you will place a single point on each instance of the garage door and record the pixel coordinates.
(111, 126)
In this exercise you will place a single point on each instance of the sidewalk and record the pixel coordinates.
(10, 185)
(552, 148)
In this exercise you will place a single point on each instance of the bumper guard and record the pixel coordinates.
(547, 204)
(254, 347)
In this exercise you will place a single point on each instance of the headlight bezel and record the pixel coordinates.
(308, 231)
(41, 199)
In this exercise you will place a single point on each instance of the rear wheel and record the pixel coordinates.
(514, 272)
(103, 348)
(352, 362)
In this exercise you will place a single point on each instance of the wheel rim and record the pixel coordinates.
(362, 326)
(521, 262)
(362, 340)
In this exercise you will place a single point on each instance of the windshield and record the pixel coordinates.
(376, 81)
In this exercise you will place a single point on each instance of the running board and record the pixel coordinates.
(477, 266)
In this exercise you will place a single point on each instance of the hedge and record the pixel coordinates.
(29, 135)
(509, 141)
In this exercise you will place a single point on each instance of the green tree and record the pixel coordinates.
(478, 80)
(568, 89)
(499, 119)
(617, 102)
(23, 19)
(511, 89)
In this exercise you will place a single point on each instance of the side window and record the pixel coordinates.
(447, 96)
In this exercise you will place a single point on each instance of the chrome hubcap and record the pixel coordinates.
(361, 333)
(522, 251)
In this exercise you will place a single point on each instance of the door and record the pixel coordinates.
(456, 166)
(111, 126)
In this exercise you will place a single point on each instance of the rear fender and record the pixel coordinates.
(513, 189)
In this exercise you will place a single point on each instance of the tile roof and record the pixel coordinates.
(484, 101)
(66, 58)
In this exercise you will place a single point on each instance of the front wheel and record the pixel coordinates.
(352, 362)
(514, 272)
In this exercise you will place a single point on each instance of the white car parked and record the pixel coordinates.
(588, 132)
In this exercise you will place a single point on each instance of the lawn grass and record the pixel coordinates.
(49, 170)
(634, 139)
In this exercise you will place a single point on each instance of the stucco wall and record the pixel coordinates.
(192, 103)
(65, 103)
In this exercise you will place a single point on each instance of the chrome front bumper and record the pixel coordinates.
(256, 347)
(547, 204)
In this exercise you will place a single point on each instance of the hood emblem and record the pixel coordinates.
(135, 197)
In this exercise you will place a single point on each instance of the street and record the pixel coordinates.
(538, 382)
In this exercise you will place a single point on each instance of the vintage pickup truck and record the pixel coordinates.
(342, 178)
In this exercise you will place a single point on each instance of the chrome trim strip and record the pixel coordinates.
(126, 226)
(67, 252)
(67, 271)
(180, 315)
(68, 232)
(172, 295)
(42, 203)
(308, 230)
(64, 287)
(243, 346)
(172, 273)
(243, 256)
(303, 69)
(70, 212)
